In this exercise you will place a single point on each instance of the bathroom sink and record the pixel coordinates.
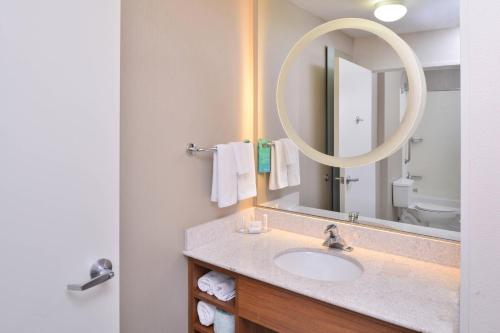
(319, 265)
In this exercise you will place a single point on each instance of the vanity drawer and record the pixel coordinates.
(285, 311)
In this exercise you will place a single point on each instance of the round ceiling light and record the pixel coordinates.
(390, 11)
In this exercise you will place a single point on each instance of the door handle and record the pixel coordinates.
(351, 180)
(100, 272)
(347, 180)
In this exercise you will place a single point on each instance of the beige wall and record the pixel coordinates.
(186, 77)
(280, 25)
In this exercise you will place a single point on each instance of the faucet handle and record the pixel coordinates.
(331, 227)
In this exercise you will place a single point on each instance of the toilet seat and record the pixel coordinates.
(428, 207)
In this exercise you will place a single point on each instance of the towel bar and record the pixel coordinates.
(192, 148)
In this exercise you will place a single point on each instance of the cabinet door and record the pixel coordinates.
(284, 311)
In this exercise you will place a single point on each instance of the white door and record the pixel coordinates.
(354, 135)
(59, 163)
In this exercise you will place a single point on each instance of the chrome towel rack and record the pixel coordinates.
(269, 144)
(192, 148)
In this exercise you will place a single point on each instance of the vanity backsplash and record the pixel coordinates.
(427, 249)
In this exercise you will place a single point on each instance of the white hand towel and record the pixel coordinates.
(291, 153)
(214, 196)
(278, 178)
(206, 313)
(225, 178)
(208, 282)
(241, 156)
(225, 290)
(245, 166)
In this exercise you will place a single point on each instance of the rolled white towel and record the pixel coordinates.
(209, 281)
(225, 290)
(206, 313)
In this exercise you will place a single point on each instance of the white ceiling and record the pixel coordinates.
(423, 15)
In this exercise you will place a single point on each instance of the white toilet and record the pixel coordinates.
(423, 212)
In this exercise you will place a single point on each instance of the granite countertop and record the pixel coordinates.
(414, 294)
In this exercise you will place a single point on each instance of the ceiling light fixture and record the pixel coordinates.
(390, 11)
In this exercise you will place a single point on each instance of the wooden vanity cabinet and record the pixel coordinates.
(262, 308)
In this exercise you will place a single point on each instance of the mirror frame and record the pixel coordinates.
(416, 97)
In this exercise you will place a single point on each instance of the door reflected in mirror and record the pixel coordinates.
(346, 95)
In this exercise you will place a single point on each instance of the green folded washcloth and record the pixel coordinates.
(264, 152)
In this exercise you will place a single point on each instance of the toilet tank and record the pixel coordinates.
(402, 190)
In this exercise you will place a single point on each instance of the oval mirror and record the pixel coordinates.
(414, 107)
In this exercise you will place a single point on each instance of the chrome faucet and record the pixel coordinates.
(334, 241)
(353, 216)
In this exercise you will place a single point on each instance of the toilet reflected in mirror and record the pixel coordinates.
(425, 211)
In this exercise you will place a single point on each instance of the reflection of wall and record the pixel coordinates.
(433, 48)
(389, 169)
(280, 25)
(437, 158)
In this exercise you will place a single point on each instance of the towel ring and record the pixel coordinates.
(416, 97)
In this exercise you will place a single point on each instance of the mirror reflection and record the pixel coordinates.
(346, 95)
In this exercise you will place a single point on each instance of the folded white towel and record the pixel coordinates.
(241, 157)
(291, 153)
(206, 313)
(224, 177)
(278, 178)
(225, 290)
(245, 167)
(209, 281)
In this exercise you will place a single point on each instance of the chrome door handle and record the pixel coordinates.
(347, 180)
(100, 272)
(351, 180)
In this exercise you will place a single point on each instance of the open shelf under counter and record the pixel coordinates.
(229, 306)
(199, 328)
(263, 308)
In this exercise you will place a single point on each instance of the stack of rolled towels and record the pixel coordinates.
(218, 285)
(222, 287)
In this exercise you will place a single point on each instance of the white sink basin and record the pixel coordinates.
(318, 265)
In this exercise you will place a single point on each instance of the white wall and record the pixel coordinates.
(433, 48)
(480, 294)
